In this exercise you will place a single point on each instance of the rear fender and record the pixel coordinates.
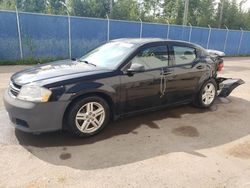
(227, 85)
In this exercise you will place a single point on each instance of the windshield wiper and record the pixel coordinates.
(84, 61)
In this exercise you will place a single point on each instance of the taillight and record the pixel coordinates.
(220, 66)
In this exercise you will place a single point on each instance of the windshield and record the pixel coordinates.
(109, 55)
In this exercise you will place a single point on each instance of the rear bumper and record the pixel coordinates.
(227, 85)
(35, 117)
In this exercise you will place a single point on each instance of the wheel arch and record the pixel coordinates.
(202, 80)
(102, 95)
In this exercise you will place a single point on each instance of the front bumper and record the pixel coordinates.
(35, 117)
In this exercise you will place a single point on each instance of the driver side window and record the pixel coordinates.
(152, 57)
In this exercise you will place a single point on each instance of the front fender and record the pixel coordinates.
(89, 87)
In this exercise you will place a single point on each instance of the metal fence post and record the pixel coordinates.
(225, 44)
(140, 28)
(108, 28)
(69, 31)
(209, 34)
(19, 34)
(168, 30)
(241, 37)
(190, 32)
(69, 28)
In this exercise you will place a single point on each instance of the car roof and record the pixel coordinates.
(142, 41)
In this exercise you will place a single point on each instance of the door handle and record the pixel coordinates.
(200, 67)
(166, 72)
(172, 78)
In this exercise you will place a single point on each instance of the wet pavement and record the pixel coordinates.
(181, 136)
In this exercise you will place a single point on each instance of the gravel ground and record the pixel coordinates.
(179, 147)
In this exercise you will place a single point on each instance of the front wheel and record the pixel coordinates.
(88, 116)
(207, 94)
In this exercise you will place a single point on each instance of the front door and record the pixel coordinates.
(141, 90)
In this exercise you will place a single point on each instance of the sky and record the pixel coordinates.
(246, 5)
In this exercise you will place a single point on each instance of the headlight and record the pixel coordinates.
(34, 93)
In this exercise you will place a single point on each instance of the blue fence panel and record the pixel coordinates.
(86, 34)
(176, 32)
(185, 33)
(200, 36)
(48, 36)
(233, 42)
(44, 36)
(245, 47)
(9, 44)
(124, 29)
(217, 39)
(154, 30)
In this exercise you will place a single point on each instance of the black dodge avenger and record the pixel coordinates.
(120, 78)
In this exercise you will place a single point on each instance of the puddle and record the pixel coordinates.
(65, 156)
(213, 108)
(224, 100)
(187, 131)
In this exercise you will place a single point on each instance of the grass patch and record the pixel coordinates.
(29, 61)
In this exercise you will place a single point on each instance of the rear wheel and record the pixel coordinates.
(88, 116)
(207, 94)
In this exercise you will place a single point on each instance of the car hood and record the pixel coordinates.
(53, 70)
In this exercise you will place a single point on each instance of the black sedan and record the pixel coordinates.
(120, 78)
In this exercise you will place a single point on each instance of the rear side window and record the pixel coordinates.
(183, 55)
(152, 57)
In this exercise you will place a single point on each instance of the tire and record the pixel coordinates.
(206, 95)
(88, 116)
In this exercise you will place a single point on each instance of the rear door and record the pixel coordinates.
(184, 73)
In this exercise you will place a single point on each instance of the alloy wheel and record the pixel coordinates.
(90, 117)
(208, 94)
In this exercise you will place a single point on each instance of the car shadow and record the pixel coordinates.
(181, 129)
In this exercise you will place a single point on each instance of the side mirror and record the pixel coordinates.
(135, 67)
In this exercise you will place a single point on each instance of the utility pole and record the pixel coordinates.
(69, 28)
(110, 6)
(185, 16)
(221, 12)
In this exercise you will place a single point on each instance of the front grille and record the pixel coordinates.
(14, 89)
